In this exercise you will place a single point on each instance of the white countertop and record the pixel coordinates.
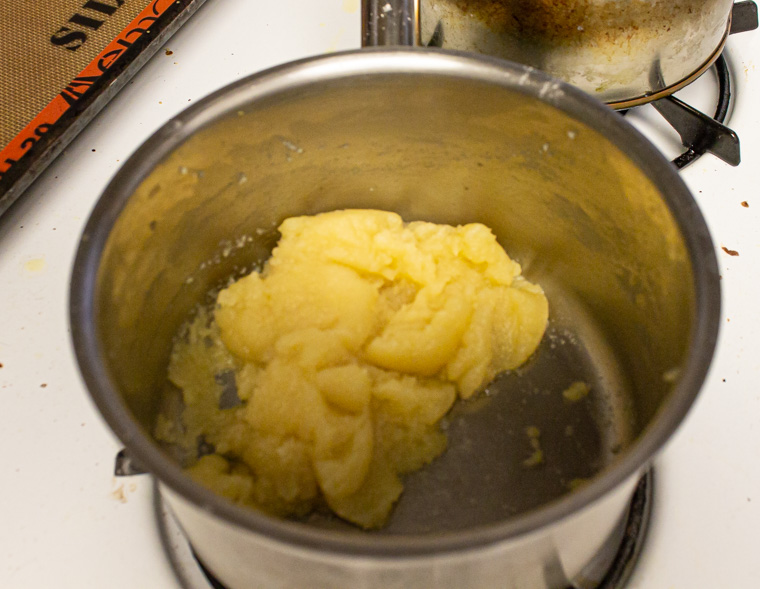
(68, 523)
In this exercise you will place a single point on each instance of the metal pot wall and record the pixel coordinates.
(624, 52)
(594, 212)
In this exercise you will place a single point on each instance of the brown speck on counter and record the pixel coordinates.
(43, 385)
(730, 252)
(745, 204)
(169, 52)
(119, 494)
(93, 150)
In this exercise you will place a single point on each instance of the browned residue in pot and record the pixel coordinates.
(576, 21)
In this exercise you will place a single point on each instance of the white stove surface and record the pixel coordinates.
(68, 523)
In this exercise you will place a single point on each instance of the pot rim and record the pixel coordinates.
(359, 63)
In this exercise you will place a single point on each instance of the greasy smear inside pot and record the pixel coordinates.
(576, 21)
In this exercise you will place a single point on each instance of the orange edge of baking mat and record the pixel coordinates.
(22, 143)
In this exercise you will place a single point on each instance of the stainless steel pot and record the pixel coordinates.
(624, 52)
(591, 209)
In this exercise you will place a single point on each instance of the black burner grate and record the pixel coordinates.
(700, 133)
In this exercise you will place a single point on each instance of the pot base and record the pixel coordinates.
(192, 574)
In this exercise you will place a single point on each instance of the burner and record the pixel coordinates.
(193, 575)
(700, 133)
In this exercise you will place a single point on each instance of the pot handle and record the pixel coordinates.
(390, 22)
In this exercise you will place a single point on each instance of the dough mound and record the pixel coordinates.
(321, 380)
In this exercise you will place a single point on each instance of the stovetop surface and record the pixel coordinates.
(68, 523)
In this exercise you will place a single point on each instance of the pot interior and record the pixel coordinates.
(546, 170)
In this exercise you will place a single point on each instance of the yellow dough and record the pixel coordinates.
(341, 357)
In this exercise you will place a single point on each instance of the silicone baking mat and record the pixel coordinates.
(60, 63)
